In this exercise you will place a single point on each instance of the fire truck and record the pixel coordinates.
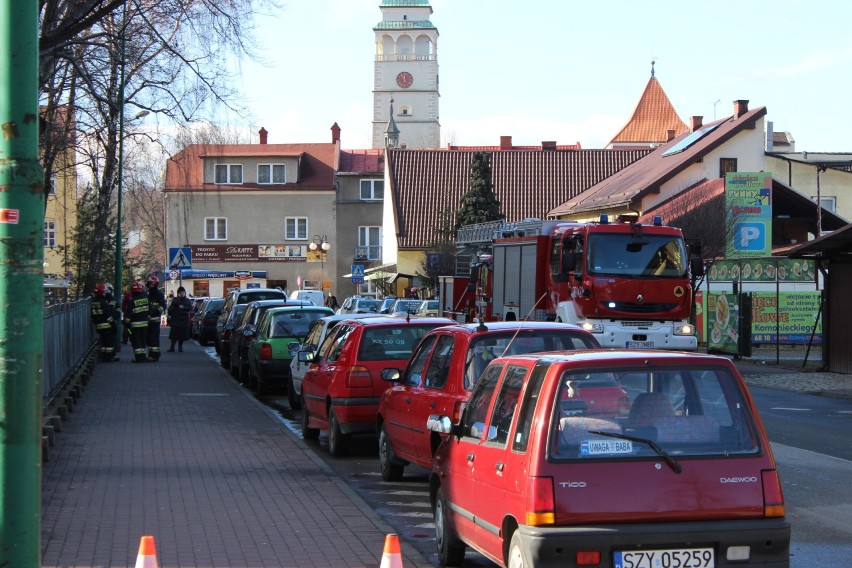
(627, 283)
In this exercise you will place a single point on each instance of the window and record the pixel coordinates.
(49, 233)
(504, 406)
(271, 173)
(52, 188)
(827, 203)
(296, 228)
(369, 244)
(215, 228)
(473, 420)
(229, 173)
(727, 165)
(418, 363)
(439, 366)
(372, 189)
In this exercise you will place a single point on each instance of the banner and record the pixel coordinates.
(787, 318)
(762, 270)
(748, 214)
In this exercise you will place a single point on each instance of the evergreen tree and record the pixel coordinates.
(480, 203)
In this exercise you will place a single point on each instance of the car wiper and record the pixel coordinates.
(670, 461)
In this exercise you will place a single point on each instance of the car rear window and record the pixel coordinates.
(381, 343)
(237, 312)
(246, 297)
(624, 414)
(294, 323)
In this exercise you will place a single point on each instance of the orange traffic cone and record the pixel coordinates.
(391, 557)
(147, 557)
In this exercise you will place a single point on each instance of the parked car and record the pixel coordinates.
(341, 389)
(242, 296)
(387, 301)
(197, 304)
(244, 331)
(358, 305)
(318, 331)
(685, 478)
(402, 307)
(205, 322)
(225, 333)
(440, 376)
(277, 336)
(428, 308)
(316, 297)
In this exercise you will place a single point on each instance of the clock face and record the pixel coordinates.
(404, 79)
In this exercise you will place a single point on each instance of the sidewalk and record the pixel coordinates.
(178, 450)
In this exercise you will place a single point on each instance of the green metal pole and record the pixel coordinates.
(119, 244)
(21, 286)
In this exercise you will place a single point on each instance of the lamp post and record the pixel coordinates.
(321, 243)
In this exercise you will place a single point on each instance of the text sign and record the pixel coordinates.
(748, 214)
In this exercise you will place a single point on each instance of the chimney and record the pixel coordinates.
(695, 122)
(670, 135)
(505, 142)
(263, 134)
(740, 108)
(548, 145)
(335, 133)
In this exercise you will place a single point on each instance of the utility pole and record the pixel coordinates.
(21, 287)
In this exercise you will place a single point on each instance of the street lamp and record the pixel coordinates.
(321, 243)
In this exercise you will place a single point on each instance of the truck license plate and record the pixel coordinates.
(675, 558)
(640, 344)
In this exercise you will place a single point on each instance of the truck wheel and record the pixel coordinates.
(338, 442)
(391, 468)
(450, 548)
(308, 433)
(516, 553)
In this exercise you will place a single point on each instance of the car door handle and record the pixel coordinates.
(470, 457)
(432, 405)
(408, 400)
(499, 466)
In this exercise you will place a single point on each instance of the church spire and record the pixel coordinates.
(391, 131)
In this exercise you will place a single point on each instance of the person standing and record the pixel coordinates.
(331, 302)
(138, 304)
(179, 311)
(104, 320)
(156, 308)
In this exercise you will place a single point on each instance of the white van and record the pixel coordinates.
(316, 297)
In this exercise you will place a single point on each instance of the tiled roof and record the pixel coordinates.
(362, 161)
(317, 165)
(528, 184)
(653, 116)
(628, 186)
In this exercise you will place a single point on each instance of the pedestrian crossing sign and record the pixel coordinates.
(180, 257)
(357, 273)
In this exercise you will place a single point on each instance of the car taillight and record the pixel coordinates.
(773, 498)
(266, 352)
(359, 377)
(541, 502)
(458, 406)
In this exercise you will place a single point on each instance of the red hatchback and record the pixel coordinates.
(342, 386)
(443, 371)
(535, 474)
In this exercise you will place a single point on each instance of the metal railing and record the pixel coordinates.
(69, 336)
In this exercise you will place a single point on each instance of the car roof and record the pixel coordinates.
(628, 357)
(514, 325)
(341, 317)
(309, 307)
(391, 320)
(280, 302)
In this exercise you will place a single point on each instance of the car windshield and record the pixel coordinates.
(668, 413)
(624, 255)
(406, 306)
(246, 297)
(382, 343)
(366, 305)
(294, 323)
(513, 342)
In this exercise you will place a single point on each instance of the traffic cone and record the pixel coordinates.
(391, 557)
(147, 557)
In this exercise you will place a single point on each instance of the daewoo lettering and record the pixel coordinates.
(738, 479)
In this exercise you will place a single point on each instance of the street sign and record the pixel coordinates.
(180, 257)
(173, 274)
(357, 273)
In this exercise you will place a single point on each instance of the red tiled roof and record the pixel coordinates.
(317, 165)
(628, 186)
(653, 115)
(528, 184)
(357, 161)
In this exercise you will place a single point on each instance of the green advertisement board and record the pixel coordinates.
(748, 214)
(787, 318)
(762, 270)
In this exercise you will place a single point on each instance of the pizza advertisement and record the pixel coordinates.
(762, 270)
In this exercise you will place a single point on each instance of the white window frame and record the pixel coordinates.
(271, 171)
(829, 203)
(52, 185)
(368, 190)
(296, 228)
(233, 174)
(367, 234)
(219, 228)
(49, 233)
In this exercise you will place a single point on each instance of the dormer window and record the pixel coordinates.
(229, 173)
(271, 173)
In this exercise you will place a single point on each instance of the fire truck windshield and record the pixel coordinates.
(623, 255)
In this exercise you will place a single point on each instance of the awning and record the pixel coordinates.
(397, 275)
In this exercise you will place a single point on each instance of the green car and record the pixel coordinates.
(269, 354)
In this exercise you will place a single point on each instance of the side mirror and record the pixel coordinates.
(697, 266)
(391, 375)
(293, 348)
(439, 423)
(306, 356)
(248, 332)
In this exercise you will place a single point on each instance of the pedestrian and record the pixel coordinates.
(138, 321)
(156, 309)
(331, 302)
(103, 316)
(179, 311)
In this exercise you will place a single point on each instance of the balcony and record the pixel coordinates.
(368, 253)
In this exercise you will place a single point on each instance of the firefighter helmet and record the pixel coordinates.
(137, 287)
(153, 281)
(100, 290)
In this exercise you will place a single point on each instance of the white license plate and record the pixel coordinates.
(640, 344)
(674, 558)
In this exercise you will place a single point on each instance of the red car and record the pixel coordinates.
(342, 386)
(530, 477)
(441, 375)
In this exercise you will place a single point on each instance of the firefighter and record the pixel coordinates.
(104, 320)
(156, 309)
(138, 316)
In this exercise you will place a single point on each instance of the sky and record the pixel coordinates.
(564, 70)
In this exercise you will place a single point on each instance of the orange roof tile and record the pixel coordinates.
(653, 116)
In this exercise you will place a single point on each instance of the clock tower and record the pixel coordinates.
(406, 71)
